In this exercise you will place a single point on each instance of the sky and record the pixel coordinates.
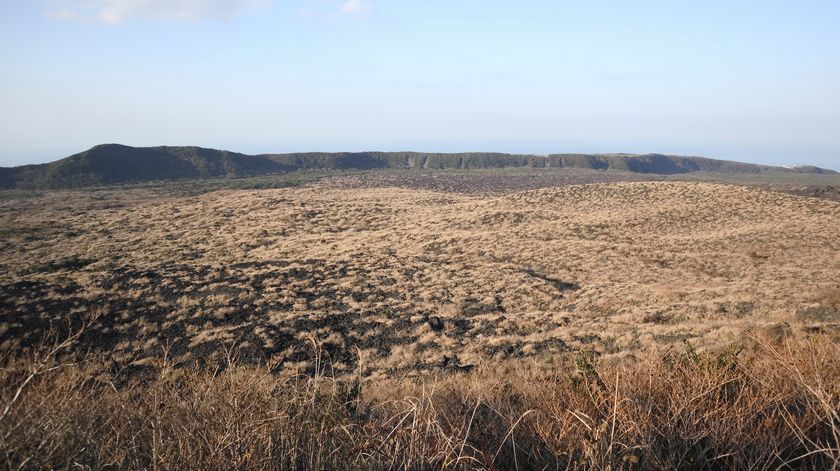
(756, 81)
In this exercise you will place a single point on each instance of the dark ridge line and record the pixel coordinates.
(116, 164)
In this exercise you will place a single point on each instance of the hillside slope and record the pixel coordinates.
(114, 163)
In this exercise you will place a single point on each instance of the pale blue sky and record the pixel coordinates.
(756, 81)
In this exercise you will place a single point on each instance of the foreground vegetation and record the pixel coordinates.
(767, 404)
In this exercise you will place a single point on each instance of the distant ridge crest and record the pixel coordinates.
(117, 163)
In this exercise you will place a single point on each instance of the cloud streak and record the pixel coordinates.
(355, 7)
(118, 11)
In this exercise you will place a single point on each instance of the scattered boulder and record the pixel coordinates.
(778, 332)
(819, 314)
(454, 364)
(436, 323)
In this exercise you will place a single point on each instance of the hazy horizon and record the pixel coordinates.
(755, 82)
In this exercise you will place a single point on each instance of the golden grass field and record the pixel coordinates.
(390, 281)
(398, 281)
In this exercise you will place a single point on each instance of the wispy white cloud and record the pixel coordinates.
(355, 7)
(117, 11)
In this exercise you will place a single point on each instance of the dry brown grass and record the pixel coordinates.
(619, 268)
(773, 405)
(411, 322)
(829, 297)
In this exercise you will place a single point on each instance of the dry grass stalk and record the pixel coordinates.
(772, 406)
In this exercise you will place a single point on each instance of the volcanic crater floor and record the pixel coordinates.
(384, 280)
